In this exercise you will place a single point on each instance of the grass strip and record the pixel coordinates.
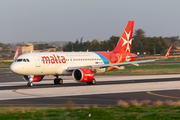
(5, 63)
(146, 70)
(113, 113)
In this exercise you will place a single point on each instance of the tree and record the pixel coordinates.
(139, 34)
(140, 44)
(1, 44)
(68, 47)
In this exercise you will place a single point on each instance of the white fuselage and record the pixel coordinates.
(54, 63)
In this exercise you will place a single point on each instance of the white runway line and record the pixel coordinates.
(93, 89)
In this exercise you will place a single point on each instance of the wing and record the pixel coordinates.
(115, 65)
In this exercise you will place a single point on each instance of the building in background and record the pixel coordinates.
(29, 47)
(25, 47)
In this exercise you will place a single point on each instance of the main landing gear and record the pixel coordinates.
(92, 82)
(58, 80)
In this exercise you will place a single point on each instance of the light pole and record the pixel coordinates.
(154, 49)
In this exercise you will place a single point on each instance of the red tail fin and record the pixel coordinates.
(16, 54)
(168, 52)
(124, 43)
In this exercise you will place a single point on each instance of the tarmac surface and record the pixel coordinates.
(107, 92)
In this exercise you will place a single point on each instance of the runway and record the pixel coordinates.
(107, 91)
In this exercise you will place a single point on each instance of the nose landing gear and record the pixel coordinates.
(29, 79)
(29, 84)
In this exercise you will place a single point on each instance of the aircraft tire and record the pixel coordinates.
(55, 81)
(58, 81)
(93, 82)
(29, 84)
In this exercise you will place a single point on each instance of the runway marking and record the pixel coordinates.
(162, 95)
(15, 90)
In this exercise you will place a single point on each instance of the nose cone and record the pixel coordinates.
(14, 68)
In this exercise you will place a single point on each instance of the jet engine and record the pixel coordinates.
(83, 75)
(31, 78)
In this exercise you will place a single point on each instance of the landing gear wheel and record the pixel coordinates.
(93, 82)
(55, 81)
(29, 84)
(58, 81)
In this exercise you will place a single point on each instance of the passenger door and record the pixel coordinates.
(38, 61)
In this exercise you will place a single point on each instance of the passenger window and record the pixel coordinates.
(24, 60)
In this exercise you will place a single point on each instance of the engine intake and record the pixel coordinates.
(83, 75)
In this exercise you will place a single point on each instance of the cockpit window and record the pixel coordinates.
(19, 60)
(27, 60)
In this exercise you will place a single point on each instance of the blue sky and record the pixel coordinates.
(68, 20)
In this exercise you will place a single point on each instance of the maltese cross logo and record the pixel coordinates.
(127, 41)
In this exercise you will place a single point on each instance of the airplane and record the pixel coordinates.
(81, 65)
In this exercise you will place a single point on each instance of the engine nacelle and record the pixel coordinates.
(83, 75)
(33, 78)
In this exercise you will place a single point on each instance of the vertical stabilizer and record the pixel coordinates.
(16, 54)
(168, 52)
(124, 43)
